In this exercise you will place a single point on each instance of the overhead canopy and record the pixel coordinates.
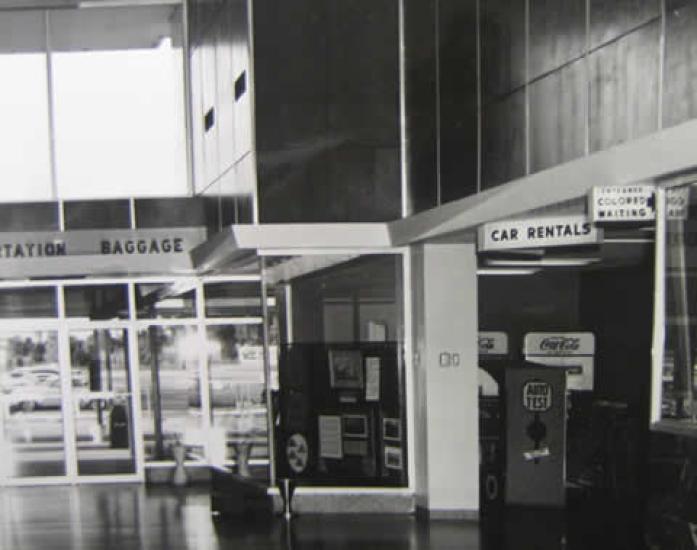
(558, 191)
(239, 244)
(647, 159)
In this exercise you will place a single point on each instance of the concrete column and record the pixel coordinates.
(444, 292)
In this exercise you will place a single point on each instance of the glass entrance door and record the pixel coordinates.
(31, 406)
(102, 402)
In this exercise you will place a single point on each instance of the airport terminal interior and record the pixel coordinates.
(405, 274)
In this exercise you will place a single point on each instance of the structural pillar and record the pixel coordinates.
(445, 325)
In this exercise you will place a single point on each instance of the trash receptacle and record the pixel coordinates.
(118, 424)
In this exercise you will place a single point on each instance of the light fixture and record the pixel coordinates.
(506, 271)
(37, 4)
(543, 262)
(124, 3)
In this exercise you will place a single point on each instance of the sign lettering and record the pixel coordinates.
(677, 202)
(622, 203)
(537, 396)
(101, 251)
(493, 343)
(538, 232)
(29, 249)
(143, 246)
(559, 344)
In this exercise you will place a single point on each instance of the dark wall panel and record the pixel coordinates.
(680, 66)
(113, 214)
(211, 209)
(458, 98)
(548, 301)
(29, 216)
(363, 71)
(289, 191)
(502, 47)
(327, 104)
(420, 37)
(170, 212)
(610, 19)
(624, 88)
(244, 209)
(557, 34)
(290, 73)
(503, 140)
(558, 116)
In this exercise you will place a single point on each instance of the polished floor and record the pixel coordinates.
(126, 517)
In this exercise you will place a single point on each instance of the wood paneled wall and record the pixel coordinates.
(327, 110)
(221, 116)
(557, 81)
(494, 90)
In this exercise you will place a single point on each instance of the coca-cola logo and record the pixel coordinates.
(486, 342)
(560, 343)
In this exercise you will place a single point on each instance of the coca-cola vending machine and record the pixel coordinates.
(494, 356)
(572, 351)
(537, 398)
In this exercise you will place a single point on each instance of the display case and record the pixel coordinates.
(340, 418)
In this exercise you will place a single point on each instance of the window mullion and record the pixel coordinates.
(51, 111)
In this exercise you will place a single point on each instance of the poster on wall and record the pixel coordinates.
(330, 436)
(393, 458)
(372, 378)
(345, 369)
(391, 429)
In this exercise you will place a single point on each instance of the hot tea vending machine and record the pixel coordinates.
(536, 414)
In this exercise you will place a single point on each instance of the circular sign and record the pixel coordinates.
(537, 396)
(297, 453)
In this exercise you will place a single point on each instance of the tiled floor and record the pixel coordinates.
(125, 517)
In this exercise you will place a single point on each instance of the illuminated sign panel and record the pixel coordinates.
(538, 233)
(47, 254)
(622, 203)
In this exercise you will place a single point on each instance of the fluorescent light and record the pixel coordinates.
(124, 3)
(636, 240)
(36, 4)
(543, 262)
(506, 271)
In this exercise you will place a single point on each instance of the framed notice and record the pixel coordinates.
(393, 458)
(355, 447)
(330, 437)
(355, 425)
(372, 378)
(391, 429)
(345, 369)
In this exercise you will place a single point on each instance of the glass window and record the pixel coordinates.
(119, 104)
(102, 402)
(233, 299)
(237, 390)
(97, 302)
(31, 441)
(679, 368)
(165, 300)
(25, 166)
(170, 391)
(336, 330)
(17, 303)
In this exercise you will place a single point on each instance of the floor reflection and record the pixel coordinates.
(90, 517)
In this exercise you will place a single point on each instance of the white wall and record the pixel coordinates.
(444, 291)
